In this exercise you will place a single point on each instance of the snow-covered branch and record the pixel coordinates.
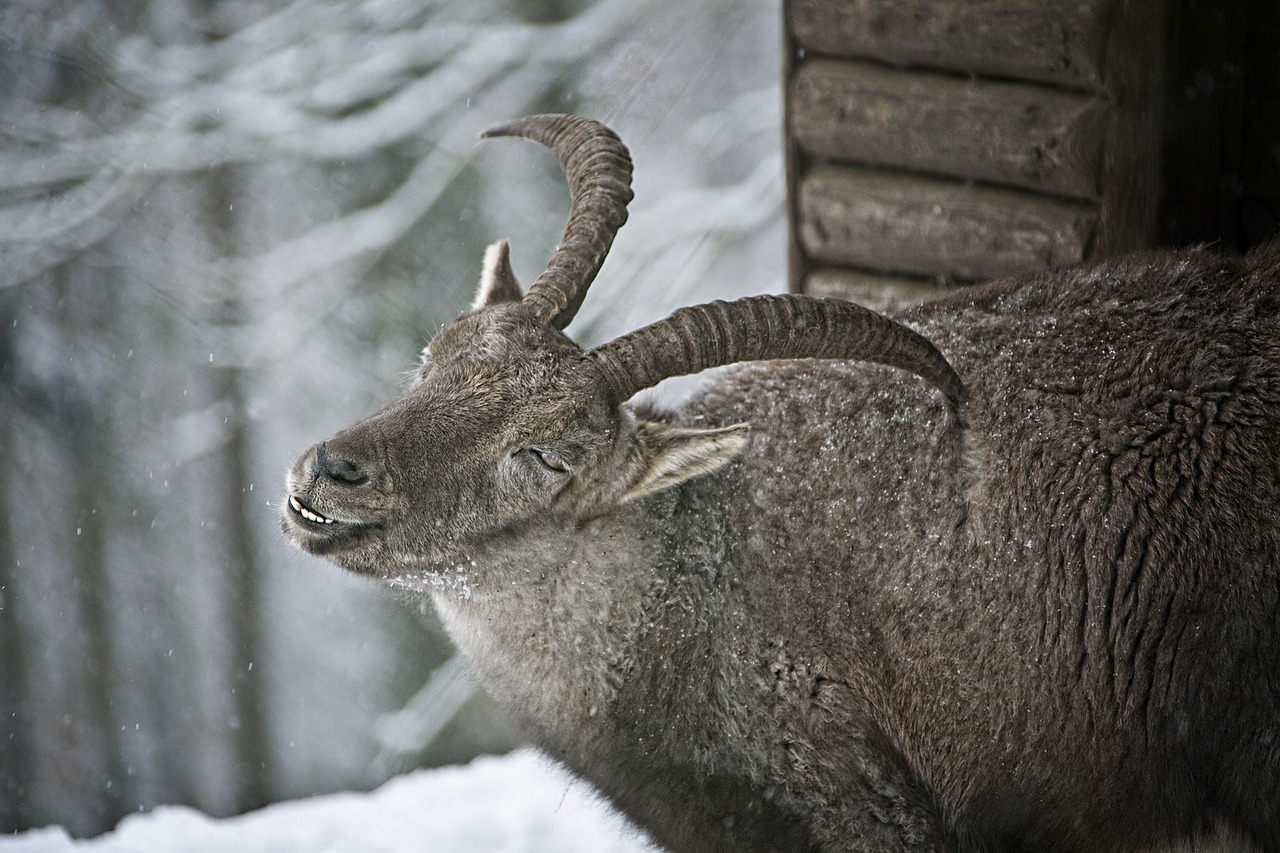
(310, 83)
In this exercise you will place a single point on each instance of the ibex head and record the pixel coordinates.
(509, 423)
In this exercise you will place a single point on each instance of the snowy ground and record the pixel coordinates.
(519, 803)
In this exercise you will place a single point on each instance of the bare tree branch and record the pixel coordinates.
(307, 101)
(258, 111)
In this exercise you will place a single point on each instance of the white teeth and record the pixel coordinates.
(306, 513)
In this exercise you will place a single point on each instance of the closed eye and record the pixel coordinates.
(550, 459)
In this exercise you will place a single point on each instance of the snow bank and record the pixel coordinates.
(519, 803)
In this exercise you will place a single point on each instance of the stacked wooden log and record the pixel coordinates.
(933, 142)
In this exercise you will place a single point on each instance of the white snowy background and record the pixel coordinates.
(226, 229)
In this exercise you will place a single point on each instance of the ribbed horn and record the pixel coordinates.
(597, 167)
(769, 327)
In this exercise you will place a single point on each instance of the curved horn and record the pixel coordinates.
(769, 327)
(598, 169)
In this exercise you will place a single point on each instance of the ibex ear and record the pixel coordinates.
(497, 279)
(670, 455)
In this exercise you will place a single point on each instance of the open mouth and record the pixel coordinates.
(324, 535)
(308, 514)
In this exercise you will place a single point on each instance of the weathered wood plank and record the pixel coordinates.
(878, 291)
(1015, 134)
(906, 223)
(1061, 42)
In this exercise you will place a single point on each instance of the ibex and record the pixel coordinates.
(842, 600)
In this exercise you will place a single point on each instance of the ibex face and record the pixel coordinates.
(510, 424)
(506, 420)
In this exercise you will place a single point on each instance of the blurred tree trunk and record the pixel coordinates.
(15, 734)
(59, 689)
(91, 449)
(251, 744)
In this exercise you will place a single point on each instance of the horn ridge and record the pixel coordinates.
(761, 328)
(597, 167)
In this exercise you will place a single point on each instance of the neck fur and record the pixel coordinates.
(552, 632)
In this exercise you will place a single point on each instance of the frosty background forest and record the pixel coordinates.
(226, 229)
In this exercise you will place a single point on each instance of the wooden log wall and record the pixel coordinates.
(936, 142)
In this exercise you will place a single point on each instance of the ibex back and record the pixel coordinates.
(842, 600)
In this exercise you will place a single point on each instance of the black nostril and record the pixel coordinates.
(337, 468)
(345, 471)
